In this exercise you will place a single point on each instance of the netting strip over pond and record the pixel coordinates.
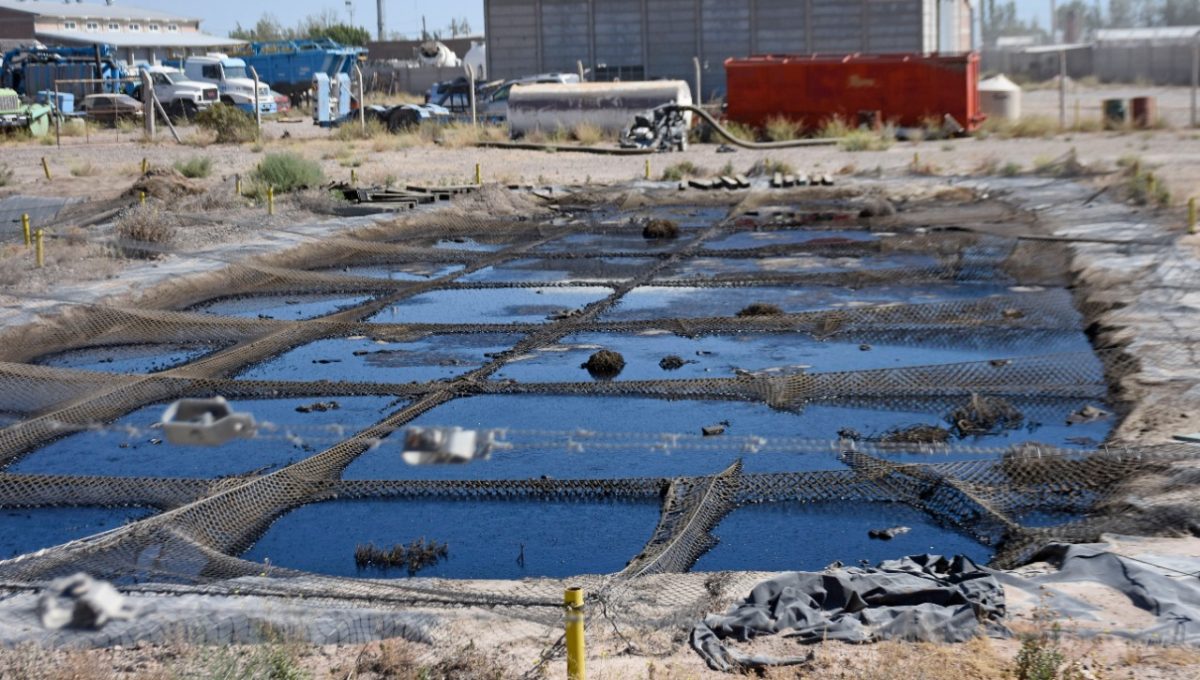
(997, 496)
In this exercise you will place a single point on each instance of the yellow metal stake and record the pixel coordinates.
(46, 167)
(40, 250)
(353, 177)
(270, 200)
(25, 228)
(478, 174)
(145, 165)
(576, 655)
(237, 184)
(647, 168)
(1191, 216)
(142, 197)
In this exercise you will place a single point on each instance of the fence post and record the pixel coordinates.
(1191, 216)
(478, 174)
(46, 168)
(576, 654)
(699, 92)
(270, 200)
(257, 109)
(40, 249)
(25, 228)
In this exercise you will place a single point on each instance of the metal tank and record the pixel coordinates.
(608, 106)
(1000, 98)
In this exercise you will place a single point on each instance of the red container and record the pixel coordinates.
(907, 89)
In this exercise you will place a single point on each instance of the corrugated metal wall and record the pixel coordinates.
(658, 38)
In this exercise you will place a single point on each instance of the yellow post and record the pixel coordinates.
(1191, 216)
(478, 174)
(46, 167)
(576, 656)
(1151, 187)
(647, 168)
(25, 228)
(40, 250)
(142, 197)
(353, 177)
(237, 184)
(145, 165)
(270, 200)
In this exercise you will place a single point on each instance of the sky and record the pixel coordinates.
(404, 16)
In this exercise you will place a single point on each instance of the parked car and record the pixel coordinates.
(108, 108)
(494, 109)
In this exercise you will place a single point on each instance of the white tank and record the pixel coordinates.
(433, 53)
(1000, 98)
(476, 58)
(608, 106)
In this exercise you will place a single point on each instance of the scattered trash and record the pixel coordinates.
(563, 314)
(984, 415)
(1087, 414)
(319, 407)
(205, 422)
(889, 533)
(673, 362)
(1011, 313)
(327, 361)
(1000, 363)
(441, 445)
(604, 364)
(413, 557)
(864, 347)
(760, 309)
(80, 601)
(725, 148)
(917, 434)
(660, 229)
(714, 430)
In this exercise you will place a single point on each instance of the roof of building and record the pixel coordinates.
(144, 39)
(90, 10)
(1154, 33)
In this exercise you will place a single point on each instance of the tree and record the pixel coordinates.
(342, 33)
(267, 28)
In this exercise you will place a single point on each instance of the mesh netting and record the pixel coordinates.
(194, 541)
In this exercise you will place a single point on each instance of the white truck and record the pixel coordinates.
(182, 98)
(230, 75)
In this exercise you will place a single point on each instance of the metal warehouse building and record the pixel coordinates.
(645, 39)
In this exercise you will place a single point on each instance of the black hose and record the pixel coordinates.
(753, 145)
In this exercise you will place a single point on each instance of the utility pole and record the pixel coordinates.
(1053, 21)
(350, 10)
(379, 20)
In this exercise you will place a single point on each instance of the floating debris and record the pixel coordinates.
(888, 533)
(984, 415)
(714, 430)
(414, 557)
(1087, 414)
(604, 364)
(660, 229)
(864, 347)
(850, 434)
(673, 362)
(917, 434)
(760, 309)
(318, 407)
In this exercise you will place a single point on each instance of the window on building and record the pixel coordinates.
(172, 28)
(135, 27)
(152, 27)
(92, 26)
(114, 26)
(70, 25)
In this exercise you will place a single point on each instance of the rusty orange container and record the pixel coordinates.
(907, 90)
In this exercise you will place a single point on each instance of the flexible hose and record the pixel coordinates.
(753, 145)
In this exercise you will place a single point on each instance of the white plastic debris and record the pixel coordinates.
(80, 601)
(205, 422)
(442, 445)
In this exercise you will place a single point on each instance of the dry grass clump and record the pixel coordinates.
(1024, 127)
(834, 127)
(604, 364)
(760, 309)
(924, 168)
(84, 169)
(288, 172)
(769, 166)
(984, 415)
(588, 134)
(864, 140)
(6, 175)
(352, 130)
(146, 224)
(1141, 186)
(196, 167)
(230, 124)
(682, 170)
(458, 135)
(660, 229)
(745, 133)
(783, 129)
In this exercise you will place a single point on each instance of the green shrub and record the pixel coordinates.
(682, 170)
(769, 166)
(781, 129)
(6, 175)
(833, 127)
(863, 140)
(231, 124)
(195, 167)
(745, 133)
(288, 172)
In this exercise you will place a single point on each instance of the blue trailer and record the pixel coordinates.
(291, 65)
(30, 70)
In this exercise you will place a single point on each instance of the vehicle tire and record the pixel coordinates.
(183, 111)
(227, 100)
(400, 120)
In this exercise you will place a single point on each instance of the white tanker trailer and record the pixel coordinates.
(608, 106)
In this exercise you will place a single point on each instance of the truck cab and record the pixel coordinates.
(181, 97)
(234, 85)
